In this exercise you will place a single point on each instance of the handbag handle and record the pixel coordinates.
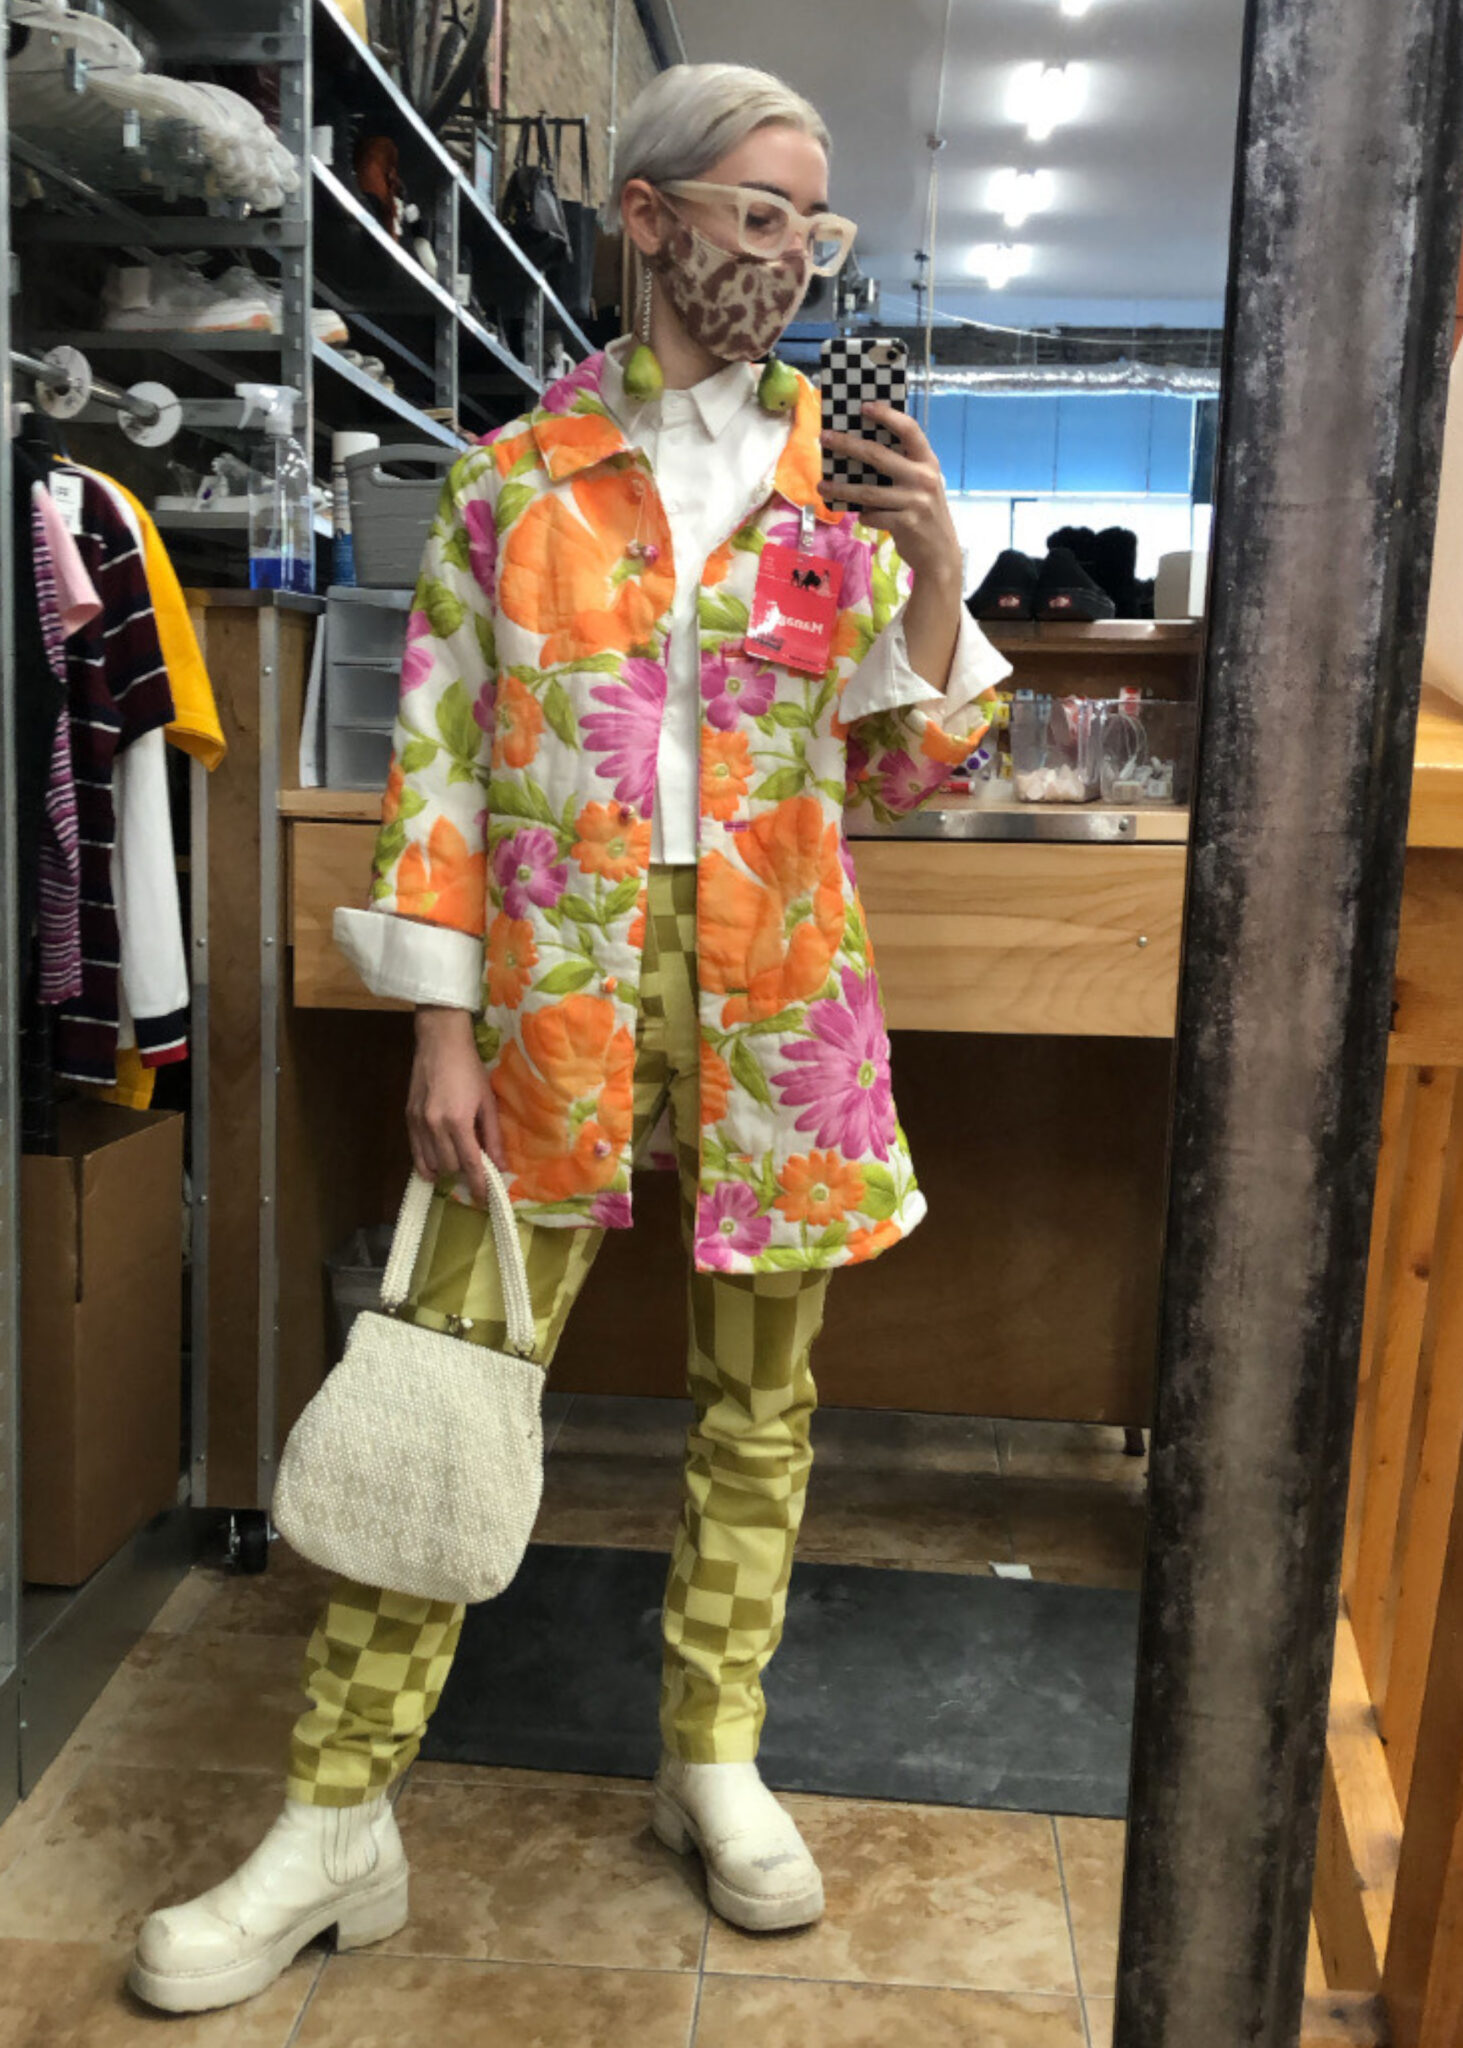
(406, 1244)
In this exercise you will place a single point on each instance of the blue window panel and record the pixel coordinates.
(1010, 444)
(947, 436)
(1102, 443)
(1170, 460)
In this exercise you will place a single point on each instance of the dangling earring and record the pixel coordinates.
(644, 377)
(777, 387)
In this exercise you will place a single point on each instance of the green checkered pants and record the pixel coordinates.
(377, 1661)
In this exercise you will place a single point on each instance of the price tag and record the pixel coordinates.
(66, 489)
(794, 608)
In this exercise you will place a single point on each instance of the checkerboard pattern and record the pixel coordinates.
(376, 1661)
(852, 372)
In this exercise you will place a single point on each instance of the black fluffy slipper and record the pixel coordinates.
(1064, 590)
(1008, 590)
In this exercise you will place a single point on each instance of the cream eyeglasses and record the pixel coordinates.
(767, 225)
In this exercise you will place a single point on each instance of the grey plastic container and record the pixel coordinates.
(365, 632)
(356, 1271)
(390, 515)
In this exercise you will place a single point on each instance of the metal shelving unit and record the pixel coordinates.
(77, 212)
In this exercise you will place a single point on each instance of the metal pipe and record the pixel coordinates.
(1344, 270)
(105, 394)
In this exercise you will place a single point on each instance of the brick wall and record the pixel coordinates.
(556, 55)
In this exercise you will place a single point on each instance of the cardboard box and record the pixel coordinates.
(101, 1233)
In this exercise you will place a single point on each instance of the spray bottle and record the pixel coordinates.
(281, 518)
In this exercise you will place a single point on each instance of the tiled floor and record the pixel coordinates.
(544, 1912)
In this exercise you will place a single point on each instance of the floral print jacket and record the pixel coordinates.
(517, 813)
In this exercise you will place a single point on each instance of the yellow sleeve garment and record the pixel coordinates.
(195, 727)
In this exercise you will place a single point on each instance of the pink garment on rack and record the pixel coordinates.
(66, 599)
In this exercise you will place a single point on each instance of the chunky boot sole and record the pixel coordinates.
(358, 1920)
(672, 1825)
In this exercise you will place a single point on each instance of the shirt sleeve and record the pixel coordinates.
(414, 961)
(884, 679)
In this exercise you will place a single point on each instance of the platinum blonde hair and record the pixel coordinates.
(690, 115)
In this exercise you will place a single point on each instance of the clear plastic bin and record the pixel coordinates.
(356, 1271)
(1146, 751)
(1054, 752)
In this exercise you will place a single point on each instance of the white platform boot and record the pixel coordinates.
(760, 1873)
(318, 1866)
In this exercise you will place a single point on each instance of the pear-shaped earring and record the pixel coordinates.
(644, 377)
(777, 388)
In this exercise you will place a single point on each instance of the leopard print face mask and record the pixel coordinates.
(733, 305)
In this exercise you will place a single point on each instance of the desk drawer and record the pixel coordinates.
(1068, 940)
(328, 864)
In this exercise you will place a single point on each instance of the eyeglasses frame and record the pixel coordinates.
(747, 196)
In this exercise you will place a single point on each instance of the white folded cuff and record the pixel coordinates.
(884, 679)
(416, 962)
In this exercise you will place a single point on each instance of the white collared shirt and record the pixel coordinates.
(713, 451)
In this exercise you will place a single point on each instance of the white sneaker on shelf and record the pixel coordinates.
(325, 323)
(154, 298)
(760, 1873)
(317, 1866)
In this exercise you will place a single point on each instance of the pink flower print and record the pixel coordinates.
(627, 733)
(485, 704)
(610, 1212)
(560, 397)
(482, 544)
(529, 871)
(416, 662)
(728, 1226)
(845, 856)
(841, 1073)
(903, 782)
(735, 687)
(835, 544)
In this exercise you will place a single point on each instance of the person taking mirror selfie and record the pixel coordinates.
(612, 875)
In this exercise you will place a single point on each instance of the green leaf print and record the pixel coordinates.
(488, 1038)
(886, 594)
(781, 784)
(487, 640)
(747, 1073)
(767, 1188)
(445, 611)
(560, 713)
(417, 754)
(456, 723)
(457, 548)
(790, 714)
(834, 791)
(784, 1258)
(523, 463)
(566, 979)
(521, 800)
(579, 909)
(513, 501)
(622, 897)
(720, 612)
(413, 803)
(749, 541)
(881, 1196)
(785, 1020)
(832, 1237)
(390, 846)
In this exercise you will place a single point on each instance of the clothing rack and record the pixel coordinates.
(96, 388)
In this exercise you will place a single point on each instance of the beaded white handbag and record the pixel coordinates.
(419, 1464)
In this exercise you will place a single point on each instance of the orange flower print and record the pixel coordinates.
(566, 570)
(506, 452)
(937, 745)
(512, 957)
(863, 1245)
(520, 722)
(565, 1099)
(636, 935)
(445, 883)
(575, 439)
(726, 772)
(391, 798)
(612, 841)
(768, 943)
(818, 1188)
(715, 1084)
(717, 566)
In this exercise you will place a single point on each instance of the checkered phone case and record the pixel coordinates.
(853, 370)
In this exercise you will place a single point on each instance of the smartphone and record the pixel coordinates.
(854, 369)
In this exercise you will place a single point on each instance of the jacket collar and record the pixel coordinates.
(565, 453)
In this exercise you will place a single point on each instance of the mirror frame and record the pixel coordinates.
(1344, 268)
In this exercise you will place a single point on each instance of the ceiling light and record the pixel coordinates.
(1075, 9)
(999, 262)
(1016, 195)
(1041, 97)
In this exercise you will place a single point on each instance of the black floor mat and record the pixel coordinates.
(930, 1686)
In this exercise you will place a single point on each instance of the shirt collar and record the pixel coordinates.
(716, 400)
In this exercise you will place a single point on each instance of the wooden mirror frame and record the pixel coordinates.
(1344, 265)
